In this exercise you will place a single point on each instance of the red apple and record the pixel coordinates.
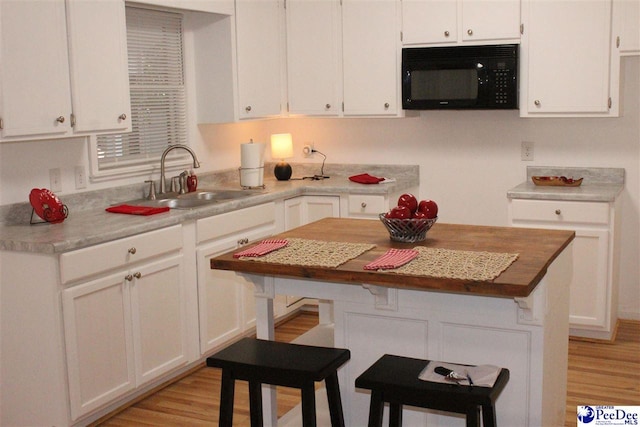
(399, 212)
(408, 200)
(429, 207)
(420, 215)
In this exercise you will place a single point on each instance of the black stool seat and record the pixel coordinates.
(394, 379)
(283, 364)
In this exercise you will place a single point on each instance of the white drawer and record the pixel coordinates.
(366, 204)
(106, 256)
(560, 211)
(232, 222)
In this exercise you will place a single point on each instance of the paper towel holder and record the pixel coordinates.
(251, 187)
(282, 148)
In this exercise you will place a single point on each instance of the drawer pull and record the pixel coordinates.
(363, 205)
(558, 211)
(132, 251)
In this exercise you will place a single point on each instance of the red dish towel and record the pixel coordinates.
(262, 248)
(137, 210)
(394, 258)
(365, 178)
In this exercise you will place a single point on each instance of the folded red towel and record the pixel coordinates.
(137, 210)
(262, 248)
(365, 178)
(393, 258)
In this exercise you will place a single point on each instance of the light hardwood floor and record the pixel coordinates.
(599, 374)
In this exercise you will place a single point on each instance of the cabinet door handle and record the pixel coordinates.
(558, 212)
(363, 205)
(386, 105)
(537, 102)
(132, 251)
(470, 31)
(446, 33)
(60, 119)
(327, 106)
(122, 116)
(128, 277)
(247, 108)
(137, 275)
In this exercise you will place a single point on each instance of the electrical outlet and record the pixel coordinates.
(55, 179)
(81, 177)
(526, 151)
(307, 150)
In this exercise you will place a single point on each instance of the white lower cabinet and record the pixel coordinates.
(128, 326)
(593, 300)
(303, 210)
(225, 299)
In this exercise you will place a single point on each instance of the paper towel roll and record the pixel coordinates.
(252, 155)
(251, 164)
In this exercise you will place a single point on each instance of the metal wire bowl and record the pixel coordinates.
(407, 230)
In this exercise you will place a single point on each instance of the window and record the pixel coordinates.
(156, 79)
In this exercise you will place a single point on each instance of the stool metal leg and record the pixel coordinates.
(226, 399)
(395, 415)
(255, 403)
(473, 416)
(488, 416)
(335, 403)
(309, 405)
(376, 409)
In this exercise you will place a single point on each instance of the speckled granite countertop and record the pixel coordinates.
(89, 224)
(599, 184)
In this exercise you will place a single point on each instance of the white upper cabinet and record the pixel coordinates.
(259, 58)
(460, 21)
(626, 26)
(99, 68)
(565, 58)
(56, 66)
(370, 51)
(34, 76)
(313, 57)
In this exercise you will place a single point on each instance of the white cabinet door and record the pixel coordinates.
(99, 342)
(303, 210)
(159, 319)
(99, 67)
(566, 58)
(259, 58)
(369, 56)
(313, 53)
(461, 21)
(34, 77)
(123, 330)
(490, 19)
(429, 21)
(626, 26)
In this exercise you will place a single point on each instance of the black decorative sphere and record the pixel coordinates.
(282, 171)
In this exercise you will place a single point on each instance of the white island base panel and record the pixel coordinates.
(528, 336)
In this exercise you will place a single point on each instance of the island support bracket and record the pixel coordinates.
(385, 298)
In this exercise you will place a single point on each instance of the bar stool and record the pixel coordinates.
(394, 379)
(282, 364)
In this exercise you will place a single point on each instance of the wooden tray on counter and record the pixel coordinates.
(557, 181)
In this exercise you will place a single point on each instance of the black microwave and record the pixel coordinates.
(460, 77)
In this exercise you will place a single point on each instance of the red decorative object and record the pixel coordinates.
(47, 205)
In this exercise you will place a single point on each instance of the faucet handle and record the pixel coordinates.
(152, 190)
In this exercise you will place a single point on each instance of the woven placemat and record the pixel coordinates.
(314, 253)
(454, 264)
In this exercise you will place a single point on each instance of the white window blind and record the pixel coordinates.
(156, 79)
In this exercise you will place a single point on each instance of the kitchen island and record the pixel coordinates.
(519, 320)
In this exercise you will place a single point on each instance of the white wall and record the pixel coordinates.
(468, 159)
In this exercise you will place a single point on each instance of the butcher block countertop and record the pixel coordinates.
(536, 249)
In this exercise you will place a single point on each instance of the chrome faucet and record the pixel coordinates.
(196, 163)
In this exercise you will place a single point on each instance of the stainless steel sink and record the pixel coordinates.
(195, 199)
